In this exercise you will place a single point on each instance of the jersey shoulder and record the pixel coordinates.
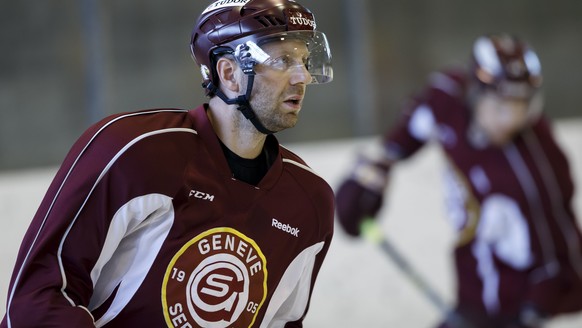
(290, 158)
(131, 123)
(120, 129)
(451, 82)
(310, 180)
(445, 94)
(441, 89)
(315, 188)
(137, 136)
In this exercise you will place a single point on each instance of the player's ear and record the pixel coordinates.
(226, 69)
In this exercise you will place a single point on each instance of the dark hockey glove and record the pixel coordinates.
(360, 196)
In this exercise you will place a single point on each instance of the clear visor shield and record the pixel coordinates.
(296, 52)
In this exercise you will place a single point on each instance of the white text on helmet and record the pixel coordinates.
(299, 19)
(224, 3)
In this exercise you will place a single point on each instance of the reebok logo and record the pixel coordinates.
(285, 227)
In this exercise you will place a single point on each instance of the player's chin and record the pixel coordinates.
(282, 122)
(503, 139)
(290, 111)
(289, 120)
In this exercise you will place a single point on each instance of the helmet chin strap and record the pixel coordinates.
(244, 105)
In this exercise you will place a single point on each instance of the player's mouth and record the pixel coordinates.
(294, 102)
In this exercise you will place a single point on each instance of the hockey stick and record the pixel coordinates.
(372, 232)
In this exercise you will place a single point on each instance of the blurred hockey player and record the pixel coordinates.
(191, 218)
(509, 190)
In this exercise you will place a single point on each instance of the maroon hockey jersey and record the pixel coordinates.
(518, 241)
(144, 226)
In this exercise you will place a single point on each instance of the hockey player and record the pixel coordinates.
(519, 251)
(190, 218)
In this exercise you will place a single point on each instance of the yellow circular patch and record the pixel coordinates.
(218, 279)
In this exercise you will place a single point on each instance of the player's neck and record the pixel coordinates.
(235, 132)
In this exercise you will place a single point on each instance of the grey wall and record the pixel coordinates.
(65, 64)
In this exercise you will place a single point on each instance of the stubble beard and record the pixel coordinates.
(267, 108)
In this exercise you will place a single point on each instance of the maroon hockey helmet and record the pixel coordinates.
(227, 24)
(507, 65)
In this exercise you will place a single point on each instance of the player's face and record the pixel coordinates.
(501, 118)
(280, 84)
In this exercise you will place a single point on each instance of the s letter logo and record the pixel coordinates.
(218, 279)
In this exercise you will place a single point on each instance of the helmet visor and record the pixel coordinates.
(310, 51)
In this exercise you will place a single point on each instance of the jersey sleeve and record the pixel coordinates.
(55, 271)
(411, 132)
(418, 122)
(40, 290)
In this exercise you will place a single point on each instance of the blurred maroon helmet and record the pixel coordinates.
(507, 65)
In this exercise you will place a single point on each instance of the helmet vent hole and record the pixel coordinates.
(223, 17)
(279, 21)
(205, 27)
(267, 21)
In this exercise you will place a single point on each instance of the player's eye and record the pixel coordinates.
(286, 62)
(281, 63)
(307, 63)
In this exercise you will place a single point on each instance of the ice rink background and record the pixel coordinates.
(358, 287)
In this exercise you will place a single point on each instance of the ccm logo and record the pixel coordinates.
(201, 195)
(285, 227)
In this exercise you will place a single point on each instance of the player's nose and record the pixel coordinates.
(300, 75)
